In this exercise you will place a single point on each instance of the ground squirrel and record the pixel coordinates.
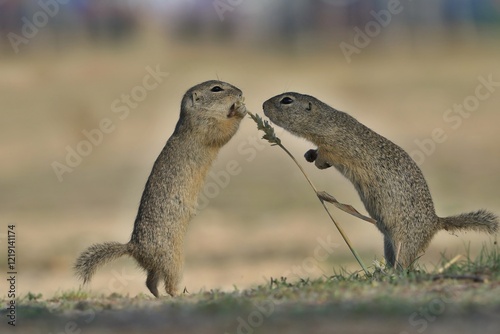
(210, 115)
(389, 182)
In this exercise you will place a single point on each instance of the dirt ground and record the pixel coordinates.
(265, 221)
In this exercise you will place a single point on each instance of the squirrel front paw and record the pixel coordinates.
(311, 155)
(321, 164)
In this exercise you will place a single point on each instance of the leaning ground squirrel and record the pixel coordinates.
(389, 182)
(210, 115)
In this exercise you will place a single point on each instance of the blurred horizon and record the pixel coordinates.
(289, 25)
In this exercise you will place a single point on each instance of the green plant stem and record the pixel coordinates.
(339, 228)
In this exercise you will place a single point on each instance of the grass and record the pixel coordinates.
(468, 288)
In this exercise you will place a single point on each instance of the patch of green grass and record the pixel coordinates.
(72, 295)
(465, 288)
(487, 263)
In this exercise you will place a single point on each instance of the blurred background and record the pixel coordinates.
(90, 91)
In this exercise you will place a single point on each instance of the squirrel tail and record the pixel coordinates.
(481, 221)
(97, 255)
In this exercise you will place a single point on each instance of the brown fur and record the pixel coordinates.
(208, 120)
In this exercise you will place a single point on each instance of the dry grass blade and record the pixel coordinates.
(323, 195)
(271, 137)
(449, 263)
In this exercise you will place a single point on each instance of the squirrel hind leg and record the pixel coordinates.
(407, 253)
(389, 252)
(171, 284)
(401, 253)
(152, 283)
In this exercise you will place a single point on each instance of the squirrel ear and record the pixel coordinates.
(195, 98)
(309, 106)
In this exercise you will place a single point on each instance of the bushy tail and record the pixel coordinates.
(97, 255)
(481, 221)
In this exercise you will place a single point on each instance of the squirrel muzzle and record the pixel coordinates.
(238, 109)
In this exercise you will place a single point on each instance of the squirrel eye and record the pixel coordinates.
(286, 100)
(216, 89)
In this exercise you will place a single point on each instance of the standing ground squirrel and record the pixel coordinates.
(210, 115)
(389, 182)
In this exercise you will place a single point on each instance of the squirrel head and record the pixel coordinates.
(212, 109)
(302, 115)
